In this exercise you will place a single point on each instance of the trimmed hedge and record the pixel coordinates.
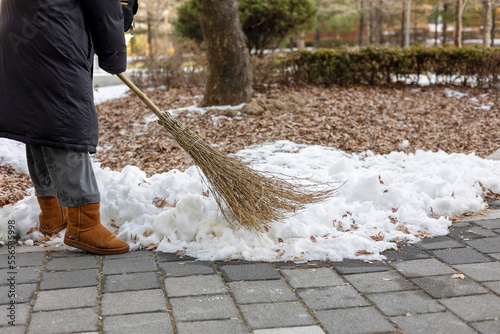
(373, 65)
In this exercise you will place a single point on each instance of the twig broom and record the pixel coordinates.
(245, 196)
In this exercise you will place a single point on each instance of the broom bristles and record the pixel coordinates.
(246, 197)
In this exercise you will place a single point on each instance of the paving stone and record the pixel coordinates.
(312, 278)
(125, 265)
(172, 257)
(19, 275)
(470, 232)
(405, 253)
(339, 296)
(133, 302)
(489, 224)
(235, 326)
(301, 265)
(23, 293)
(474, 308)
(432, 323)
(445, 286)
(129, 255)
(175, 269)
(203, 308)
(481, 271)
(286, 314)
(130, 282)
(495, 256)
(347, 267)
(443, 242)
(487, 327)
(251, 292)
(73, 252)
(291, 330)
(13, 330)
(460, 256)
(493, 286)
(194, 285)
(66, 298)
(249, 272)
(138, 323)
(24, 260)
(379, 282)
(403, 302)
(497, 231)
(485, 245)
(72, 263)
(64, 321)
(354, 321)
(18, 315)
(69, 279)
(426, 267)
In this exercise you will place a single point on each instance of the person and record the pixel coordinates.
(46, 101)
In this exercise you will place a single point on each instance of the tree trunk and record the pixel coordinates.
(493, 26)
(403, 20)
(229, 63)
(436, 22)
(445, 24)
(458, 24)
(301, 40)
(361, 22)
(371, 24)
(379, 15)
(408, 22)
(487, 22)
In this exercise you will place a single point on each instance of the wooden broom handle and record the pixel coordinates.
(140, 94)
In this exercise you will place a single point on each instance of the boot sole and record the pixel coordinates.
(95, 250)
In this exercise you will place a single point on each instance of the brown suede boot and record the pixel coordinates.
(86, 232)
(53, 218)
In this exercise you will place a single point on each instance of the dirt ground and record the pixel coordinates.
(353, 119)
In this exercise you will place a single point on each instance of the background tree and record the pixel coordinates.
(488, 23)
(229, 64)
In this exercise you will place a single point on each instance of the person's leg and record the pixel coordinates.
(76, 187)
(53, 217)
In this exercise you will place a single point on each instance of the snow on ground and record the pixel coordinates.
(382, 199)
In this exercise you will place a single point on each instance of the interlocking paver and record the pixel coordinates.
(203, 308)
(439, 243)
(138, 323)
(271, 315)
(489, 224)
(19, 275)
(347, 267)
(23, 293)
(445, 286)
(133, 302)
(470, 232)
(487, 327)
(124, 265)
(136, 255)
(354, 321)
(460, 256)
(474, 308)
(403, 302)
(234, 326)
(495, 256)
(406, 253)
(379, 282)
(331, 297)
(249, 272)
(493, 286)
(432, 323)
(129, 282)
(249, 292)
(171, 257)
(291, 330)
(175, 269)
(17, 315)
(481, 271)
(13, 330)
(64, 321)
(426, 267)
(194, 285)
(69, 279)
(66, 298)
(485, 245)
(72, 263)
(25, 260)
(312, 278)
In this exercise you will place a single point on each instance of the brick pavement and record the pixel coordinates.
(413, 291)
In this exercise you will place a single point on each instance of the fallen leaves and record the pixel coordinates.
(363, 252)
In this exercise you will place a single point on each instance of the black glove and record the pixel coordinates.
(129, 10)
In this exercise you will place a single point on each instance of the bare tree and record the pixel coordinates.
(488, 22)
(229, 64)
(459, 11)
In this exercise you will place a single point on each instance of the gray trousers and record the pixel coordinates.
(67, 175)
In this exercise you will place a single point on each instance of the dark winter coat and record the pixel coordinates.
(46, 57)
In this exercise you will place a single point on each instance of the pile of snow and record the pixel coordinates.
(382, 199)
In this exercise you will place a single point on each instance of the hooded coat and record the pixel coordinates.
(46, 59)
